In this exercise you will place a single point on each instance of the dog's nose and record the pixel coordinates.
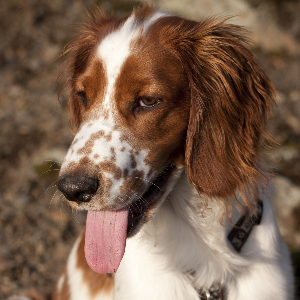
(78, 188)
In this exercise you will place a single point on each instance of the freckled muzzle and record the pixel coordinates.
(82, 189)
(107, 230)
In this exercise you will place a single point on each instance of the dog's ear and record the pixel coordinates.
(230, 101)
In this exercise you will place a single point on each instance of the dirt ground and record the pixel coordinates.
(37, 228)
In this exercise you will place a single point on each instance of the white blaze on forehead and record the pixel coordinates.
(157, 15)
(116, 47)
(113, 51)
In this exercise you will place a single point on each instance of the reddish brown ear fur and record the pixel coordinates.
(231, 100)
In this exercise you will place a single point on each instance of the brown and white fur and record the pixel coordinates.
(155, 95)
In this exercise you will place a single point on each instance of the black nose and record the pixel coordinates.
(78, 188)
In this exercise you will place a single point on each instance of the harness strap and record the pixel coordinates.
(237, 237)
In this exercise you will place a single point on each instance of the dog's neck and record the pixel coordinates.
(193, 236)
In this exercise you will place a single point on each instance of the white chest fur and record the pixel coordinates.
(182, 239)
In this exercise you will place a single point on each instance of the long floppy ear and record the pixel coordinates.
(230, 101)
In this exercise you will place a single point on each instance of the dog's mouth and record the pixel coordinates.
(139, 210)
(107, 231)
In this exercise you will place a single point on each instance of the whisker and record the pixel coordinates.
(151, 183)
(53, 198)
(47, 172)
(140, 198)
(73, 213)
(61, 218)
(73, 210)
(51, 186)
(48, 160)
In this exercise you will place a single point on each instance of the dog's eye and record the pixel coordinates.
(148, 102)
(82, 97)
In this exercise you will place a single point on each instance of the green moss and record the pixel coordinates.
(47, 170)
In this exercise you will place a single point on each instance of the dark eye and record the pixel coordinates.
(82, 97)
(148, 102)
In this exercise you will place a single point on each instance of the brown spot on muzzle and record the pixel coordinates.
(84, 165)
(108, 137)
(110, 167)
(113, 153)
(87, 148)
(133, 161)
(125, 172)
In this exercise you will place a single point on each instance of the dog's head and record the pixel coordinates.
(153, 95)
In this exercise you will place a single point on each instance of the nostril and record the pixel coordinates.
(83, 197)
(78, 188)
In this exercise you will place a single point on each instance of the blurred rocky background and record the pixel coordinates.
(36, 227)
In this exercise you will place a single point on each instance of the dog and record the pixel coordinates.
(169, 116)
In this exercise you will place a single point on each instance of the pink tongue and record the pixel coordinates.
(105, 239)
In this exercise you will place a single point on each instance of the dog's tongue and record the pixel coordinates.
(105, 239)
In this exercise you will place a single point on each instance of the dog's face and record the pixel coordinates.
(132, 104)
(150, 95)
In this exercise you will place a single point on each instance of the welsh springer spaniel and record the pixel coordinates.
(169, 115)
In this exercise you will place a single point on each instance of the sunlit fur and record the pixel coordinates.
(215, 103)
(180, 240)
